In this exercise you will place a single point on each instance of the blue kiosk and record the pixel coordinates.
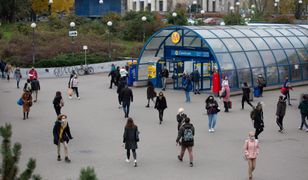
(239, 52)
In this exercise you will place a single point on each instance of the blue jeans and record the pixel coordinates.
(187, 96)
(212, 120)
(304, 116)
(125, 106)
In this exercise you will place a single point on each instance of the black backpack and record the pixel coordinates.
(188, 135)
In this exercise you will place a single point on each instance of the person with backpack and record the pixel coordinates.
(196, 80)
(287, 87)
(27, 103)
(126, 97)
(303, 106)
(180, 117)
(251, 151)
(280, 112)
(130, 139)
(58, 103)
(112, 73)
(187, 86)
(164, 76)
(261, 83)
(151, 94)
(62, 135)
(186, 135)
(35, 84)
(160, 105)
(257, 118)
(27, 86)
(74, 86)
(17, 75)
(246, 95)
(212, 109)
(225, 94)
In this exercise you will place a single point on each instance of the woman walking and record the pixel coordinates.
(62, 135)
(212, 110)
(251, 151)
(150, 93)
(180, 117)
(160, 105)
(226, 93)
(74, 86)
(280, 112)
(246, 95)
(17, 75)
(130, 139)
(303, 106)
(258, 120)
(187, 84)
(58, 103)
(27, 103)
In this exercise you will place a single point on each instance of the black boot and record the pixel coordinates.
(24, 116)
(59, 158)
(67, 160)
(27, 115)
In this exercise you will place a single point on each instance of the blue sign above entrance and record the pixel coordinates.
(188, 53)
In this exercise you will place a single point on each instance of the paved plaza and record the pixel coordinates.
(97, 126)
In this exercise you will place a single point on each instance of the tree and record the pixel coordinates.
(181, 18)
(11, 156)
(58, 6)
(87, 174)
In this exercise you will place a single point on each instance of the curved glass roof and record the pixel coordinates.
(269, 49)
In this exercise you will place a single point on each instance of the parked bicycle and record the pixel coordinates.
(85, 70)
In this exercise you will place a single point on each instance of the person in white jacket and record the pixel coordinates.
(74, 86)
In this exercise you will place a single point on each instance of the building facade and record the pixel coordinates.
(92, 8)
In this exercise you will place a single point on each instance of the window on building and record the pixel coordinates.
(149, 7)
(161, 5)
(134, 6)
(141, 5)
(214, 6)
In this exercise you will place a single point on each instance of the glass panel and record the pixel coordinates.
(292, 56)
(285, 32)
(196, 43)
(235, 33)
(217, 45)
(284, 42)
(206, 34)
(225, 61)
(305, 31)
(283, 73)
(296, 43)
(255, 73)
(246, 44)
(232, 45)
(303, 55)
(254, 59)
(142, 71)
(170, 43)
(259, 43)
(280, 57)
(240, 60)
(221, 33)
(148, 56)
(304, 40)
(231, 77)
(305, 71)
(295, 72)
(165, 33)
(296, 32)
(273, 32)
(161, 52)
(261, 32)
(268, 58)
(248, 33)
(155, 43)
(273, 44)
(244, 75)
(272, 75)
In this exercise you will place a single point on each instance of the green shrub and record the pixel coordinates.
(23, 28)
(234, 19)
(87, 174)
(283, 20)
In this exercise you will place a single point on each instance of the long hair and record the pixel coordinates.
(130, 123)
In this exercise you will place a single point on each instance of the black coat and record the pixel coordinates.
(211, 107)
(35, 84)
(126, 95)
(258, 121)
(281, 108)
(57, 101)
(181, 135)
(151, 92)
(131, 137)
(66, 135)
(246, 92)
(160, 104)
(180, 119)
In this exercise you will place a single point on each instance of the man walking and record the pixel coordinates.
(126, 97)
(164, 76)
(35, 84)
(196, 78)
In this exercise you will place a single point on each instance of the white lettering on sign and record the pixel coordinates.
(72, 33)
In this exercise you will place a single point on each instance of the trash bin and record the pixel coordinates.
(256, 91)
(132, 73)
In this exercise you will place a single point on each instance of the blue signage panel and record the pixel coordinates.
(188, 53)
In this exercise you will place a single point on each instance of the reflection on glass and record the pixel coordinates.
(273, 32)
(272, 75)
(292, 56)
(221, 33)
(284, 42)
(232, 45)
(268, 58)
(155, 42)
(240, 60)
(255, 73)
(305, 71)
(244, 75)
(295, 72)
(296, 42)
(304, 41)
(303, 55)
(216, 45)
(273, 44)
(280, 57)
(254, 59)
(259, 43)
(206, 34)
(246, 44)
(283, 73)
(231, 77)
(261, 32)
(225, 61)
(235, 33)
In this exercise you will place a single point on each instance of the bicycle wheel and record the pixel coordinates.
(81, 72)
(90, 70)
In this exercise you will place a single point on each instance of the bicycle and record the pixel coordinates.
(85, 70)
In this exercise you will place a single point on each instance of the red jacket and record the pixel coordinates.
(216, 82)
(32, 74)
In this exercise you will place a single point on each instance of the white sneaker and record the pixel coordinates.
(127, 160)
(306, 130)
(210, 130)
(70, 97)
(78, 98)
(213, 130)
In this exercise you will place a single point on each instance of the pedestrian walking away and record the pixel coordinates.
(246, 95)
(280, 112)
(287, 87)
(186, 140)
(303, 106)
(126, 97)
(261, 83)
(225, 94)
(123, 75)
(18, 76)
(62, 135)
(212, 109)
(187, 84)
(27, 103)
(32, 74)
(160, 105)
(196, 80)
(164, 76)
(180, 117)
(151, 94)
(121, 86)
(28, 86)
(58, 103)
(257, 117)
(113, 74)
(35, 84)
(130, 139)
(2, 67)
(74, 86)
(8, 70)
(251, 151)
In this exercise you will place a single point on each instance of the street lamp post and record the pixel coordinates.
(300, 2)
(237, 6)
(276, 4)
(202, 16)
(109, 24)
(174, 15)
(144, 19)
(195, 5)
(101, 2)
(49, 6)
(72, 27)
(231, 9)
(33, 26)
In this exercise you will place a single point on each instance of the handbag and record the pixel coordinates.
(230, 104)
(223, 93)
(70, 91)
(20, 102)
